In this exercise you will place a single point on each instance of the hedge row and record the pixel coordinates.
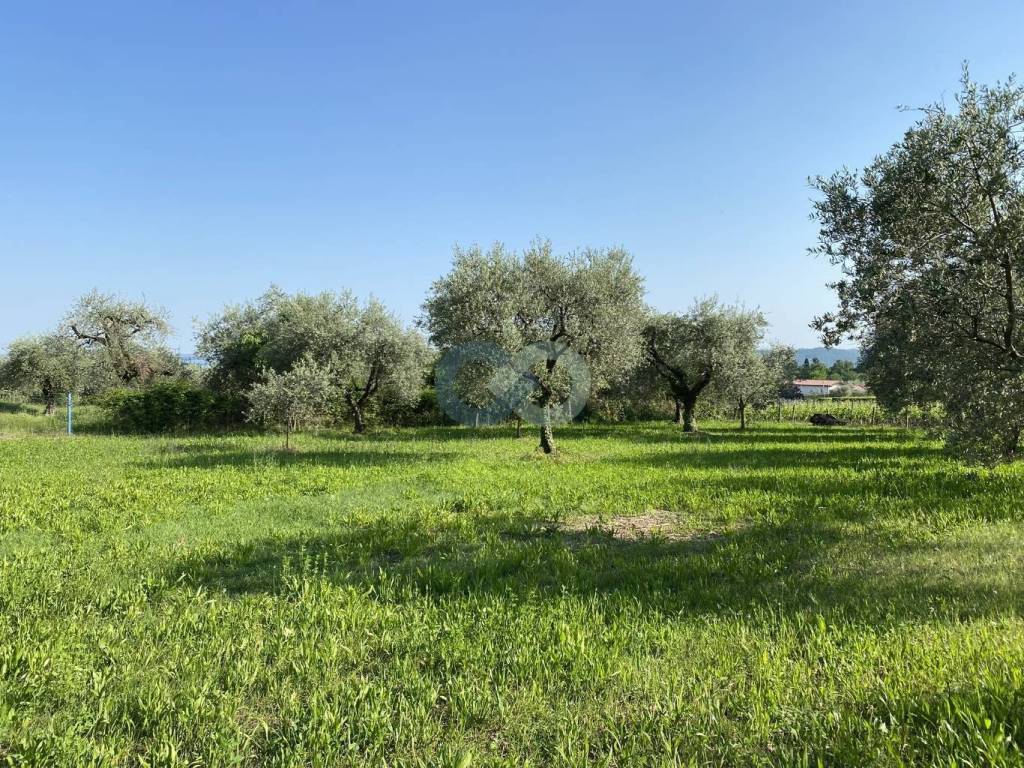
(171, 407)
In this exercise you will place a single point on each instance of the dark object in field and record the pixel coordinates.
(826, 420)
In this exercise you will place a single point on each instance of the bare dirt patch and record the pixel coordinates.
(656, 524)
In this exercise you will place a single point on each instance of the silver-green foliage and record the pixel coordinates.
(591, 301)
(43, 367)
(372, 357)
(129, 333)
(752, 377)
(296, 398)
(930, 238)
(710, 343)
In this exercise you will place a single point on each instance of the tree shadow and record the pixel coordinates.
(840, 455)
(662, 434)
(13, 408)
(790, 567)
(212, 457)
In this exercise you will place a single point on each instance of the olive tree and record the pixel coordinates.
(293, 399)
(372, 357)
(930, 241)
(590, 301)
(689, 351)
(130, 333)
(756, 378)
(43, 367)
(232, 343)
(381, 360)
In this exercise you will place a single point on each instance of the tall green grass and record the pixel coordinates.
(29, 419)
(431, 597)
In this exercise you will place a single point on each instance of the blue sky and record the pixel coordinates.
(194, 153)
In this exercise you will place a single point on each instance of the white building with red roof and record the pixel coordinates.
(816, 387)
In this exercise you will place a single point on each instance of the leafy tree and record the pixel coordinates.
(371, 356)
(232, 342)
(756, 378)
(381, 360)
(293, 399)
(691, 350)
(930, 238)
(130, 333)
(818, 369)
(591, 301)
(43, 367)
(781, 361)
(842, 370)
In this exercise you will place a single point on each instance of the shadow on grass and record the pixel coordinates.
(19, 408)
(795, 567)
(753, 435)
(754, 448)
(658, 433)
(836, 457)
(206, 457)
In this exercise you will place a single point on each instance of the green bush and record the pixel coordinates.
(171, 406)
(423, 412)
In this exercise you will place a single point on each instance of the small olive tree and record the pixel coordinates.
(591, 301)
(293, 399)
(690, 351)
(756, 378)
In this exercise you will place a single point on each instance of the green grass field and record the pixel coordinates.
(440, 597)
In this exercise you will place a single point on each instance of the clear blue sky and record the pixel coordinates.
(194, 153)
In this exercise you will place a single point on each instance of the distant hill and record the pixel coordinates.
(828, 356)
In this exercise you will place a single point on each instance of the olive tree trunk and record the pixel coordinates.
(547, 436)
(689, 415)
(359, 423)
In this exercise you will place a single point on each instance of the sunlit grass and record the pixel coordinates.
(421, 597)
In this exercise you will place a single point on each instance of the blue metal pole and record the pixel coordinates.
(69, 413)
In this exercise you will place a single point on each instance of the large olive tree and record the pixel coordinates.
(370, 354)
(590, 301)
(930, 240)
(689, 351)
(129, 333)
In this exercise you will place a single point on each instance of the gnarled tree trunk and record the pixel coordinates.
(689, 414)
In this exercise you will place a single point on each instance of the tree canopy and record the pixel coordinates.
(130, 333)
(752, 377)
(689, 351)
(368, 352)
(298, 397)
(589, 302)
(930, 239)
(43, 367)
